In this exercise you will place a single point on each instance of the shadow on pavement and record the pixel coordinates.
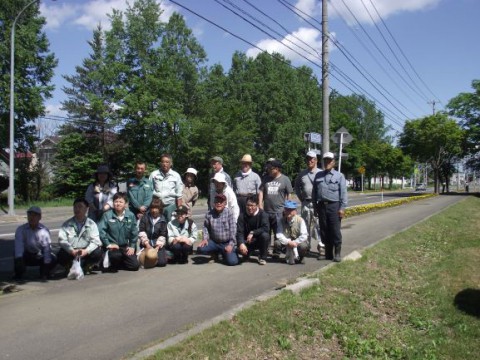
(468, 301)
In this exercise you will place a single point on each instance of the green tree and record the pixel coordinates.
(435, 139)
(466, 106)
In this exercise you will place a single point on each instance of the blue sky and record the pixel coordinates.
(439, 39)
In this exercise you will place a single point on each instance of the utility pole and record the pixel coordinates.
(433, 102)
(325, 86)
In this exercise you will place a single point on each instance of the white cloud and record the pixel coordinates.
(89, 14)
(385, 8)
(306, 41)
(55, 110)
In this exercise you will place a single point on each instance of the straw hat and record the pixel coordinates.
(148, 258)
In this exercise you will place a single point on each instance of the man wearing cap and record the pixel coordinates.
(253, 231)
(167, 186)
(219, 230)
(190, 190)
(216, 164)
(33, 246)
(79, 237)
(330, 198)
(303, 190)
(182, 233)
(275, 189)
(292, 234)
(246, 182)
(139, 191)
(221, 187)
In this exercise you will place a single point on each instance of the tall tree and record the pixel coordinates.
(466, 106)
(34, 64)
(435, 139)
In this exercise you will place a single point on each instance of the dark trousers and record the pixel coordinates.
(120, 260)
(274, 220)
(29, 259)
(65, 259)
(329, 223)
(180, 252)
(260, 242)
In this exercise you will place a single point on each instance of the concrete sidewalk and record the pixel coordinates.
(108, 316)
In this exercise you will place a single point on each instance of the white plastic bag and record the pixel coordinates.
(76, 272)
(106, 261)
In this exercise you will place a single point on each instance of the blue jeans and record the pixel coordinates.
(212, 247)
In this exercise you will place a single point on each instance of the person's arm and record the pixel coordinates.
(288, 188)
(343, 196)
(132, 195)
(298, 187)
(45, 241)
(260, 196)
(102, 230)
(240, 230)
(63, 238)
(89, 196)
(179, 191)
(264, 224)
(148, 188)
(19, 244)
(94, 240)
(303, 232)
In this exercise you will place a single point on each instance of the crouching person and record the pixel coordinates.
(118, 233)
(219, 230)
(79, 237)
(293, 234)
(253, 231)
(33, 246)
(182, 233)
(153, 235)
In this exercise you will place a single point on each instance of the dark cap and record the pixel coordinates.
(220, 197)
(276, 163)
(35, 209)
(217, 158)
(182, 210)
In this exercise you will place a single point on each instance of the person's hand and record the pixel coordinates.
(139, 216)
(113, 247)
(249, 238)
(106, 207)
(341, 213)
(130, 251)
(159, 244)
(228, 249)
(292, 244)
(143, 209)
(82, 252)
(203, 243)
(243, 249)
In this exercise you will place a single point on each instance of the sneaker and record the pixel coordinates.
(262, 262)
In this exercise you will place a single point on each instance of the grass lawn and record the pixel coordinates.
(413, 296)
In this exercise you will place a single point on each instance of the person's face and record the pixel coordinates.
(165, 164)
(311, 162)
(216, 166)
(154, 212)
(289, 213)
(80, 210)
(140, 170)
(219, 186)
(119, 205)
(251, 208)
(245, 166)
(328, 164)
(273, 171)
(189, 178)
(33, 219)
(102, 178)
(219, 205)
(181, 217)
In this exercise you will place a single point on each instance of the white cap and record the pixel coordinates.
(191, 171)
(328, 155)
(312, 154)
(220, 178)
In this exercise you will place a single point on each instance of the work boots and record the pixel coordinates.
(337, 257)
(328, 252)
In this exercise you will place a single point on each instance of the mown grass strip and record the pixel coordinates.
(413, 296)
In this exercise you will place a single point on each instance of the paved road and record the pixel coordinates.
(107, 316)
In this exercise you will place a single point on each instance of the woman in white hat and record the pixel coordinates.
(190, 190)
(99, 194)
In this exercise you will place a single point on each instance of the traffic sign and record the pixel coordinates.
(347, 137)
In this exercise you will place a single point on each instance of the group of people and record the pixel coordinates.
(151, 224)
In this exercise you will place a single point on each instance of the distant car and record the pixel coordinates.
(421, 187)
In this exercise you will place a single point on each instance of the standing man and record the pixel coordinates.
(139, 191)
(246, 182)
(275, 189)
(167, 186)
(330, 198)
(33, 246)
(253, 231)
(219, 230)
(221, 187)
(79, 236)
(303, 190)
(216, 164)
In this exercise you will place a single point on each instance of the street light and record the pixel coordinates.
(11, 190)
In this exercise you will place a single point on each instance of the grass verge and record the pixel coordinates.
(413, 296)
